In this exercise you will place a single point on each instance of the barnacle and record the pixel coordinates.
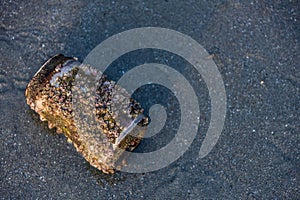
(97, 120)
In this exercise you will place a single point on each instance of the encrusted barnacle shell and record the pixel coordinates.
(96, 119)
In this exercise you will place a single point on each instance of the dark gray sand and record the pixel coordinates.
(256, 48)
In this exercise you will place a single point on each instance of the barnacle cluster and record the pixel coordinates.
(95, 118)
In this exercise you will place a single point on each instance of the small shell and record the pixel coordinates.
(96, 119)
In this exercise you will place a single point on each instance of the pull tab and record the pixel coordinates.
(128, 129)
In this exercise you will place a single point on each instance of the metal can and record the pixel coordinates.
(101, 120)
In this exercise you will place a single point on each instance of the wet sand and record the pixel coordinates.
(256, 48)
